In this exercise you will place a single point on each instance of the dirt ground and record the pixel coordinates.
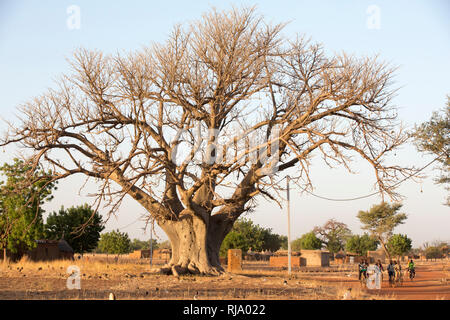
(131, 280)
(432, 282)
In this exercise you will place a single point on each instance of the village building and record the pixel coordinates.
(339, 258)
(45, 250)
(374, 256)
(316, 258)
(352, 257)
(304, 258)
(280, 259)
(157, 254)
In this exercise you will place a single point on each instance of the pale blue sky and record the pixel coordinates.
(414, 35)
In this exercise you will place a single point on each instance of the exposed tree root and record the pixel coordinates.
(178, 270)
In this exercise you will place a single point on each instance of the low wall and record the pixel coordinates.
(234, 260)
(282, 261)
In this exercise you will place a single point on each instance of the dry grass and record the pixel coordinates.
(130, 279)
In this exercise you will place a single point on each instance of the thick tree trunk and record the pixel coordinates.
(195, 244)
(386, 251)
(5, 257)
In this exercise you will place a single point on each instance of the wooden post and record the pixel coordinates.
(151, 244)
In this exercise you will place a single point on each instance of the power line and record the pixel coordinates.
(129, 224)
(371, 194)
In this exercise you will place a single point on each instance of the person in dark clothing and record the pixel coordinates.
(391, 271)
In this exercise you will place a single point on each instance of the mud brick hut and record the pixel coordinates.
(48, 250)
(139, 254)
(316, 258)
(374, 256)
(65, 250)
(351, 257)
(339, 258)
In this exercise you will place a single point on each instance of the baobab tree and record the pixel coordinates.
(333, 235)
(199, 128)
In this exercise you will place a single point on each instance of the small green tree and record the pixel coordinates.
(271, 241)
(114, 242)
(381, 220)
(399, 245)
(361, 244)
(22, 195)
(433, 252)
(245, 235)
(308, 241)
(284, 242)
(296, 245)
(433, 137)
(79, 226)
(138, 244)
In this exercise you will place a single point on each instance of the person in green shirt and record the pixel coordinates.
(411, 269)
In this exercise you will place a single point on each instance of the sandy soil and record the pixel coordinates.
(132, 281)
(432, 282)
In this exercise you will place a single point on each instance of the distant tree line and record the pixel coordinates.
(21, 223)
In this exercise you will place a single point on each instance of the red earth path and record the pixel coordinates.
(431, 283)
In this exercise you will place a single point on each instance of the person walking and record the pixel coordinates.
(391, 272)
(380, 266)
(398, 272)
(362, 266)
(411, 269)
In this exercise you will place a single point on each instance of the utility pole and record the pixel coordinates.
(151, 244)
(289, 225)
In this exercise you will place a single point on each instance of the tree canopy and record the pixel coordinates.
(361, 244)
(114, 242)
(399, 244)
(333, 235)
(80, 226)
(308, 241)
(21, 221)
(246, 235)
(198, 128)
(433, 137)
(381, 220)
(137, 244)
